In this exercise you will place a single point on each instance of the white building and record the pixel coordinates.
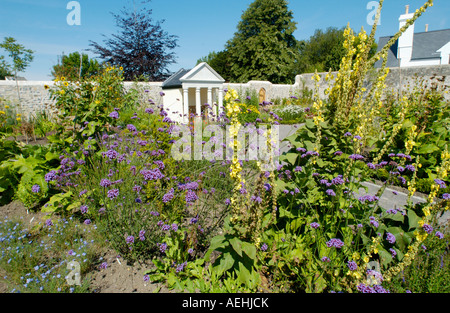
(191, 91)
(417, 49)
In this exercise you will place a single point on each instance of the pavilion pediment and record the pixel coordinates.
(202, 73)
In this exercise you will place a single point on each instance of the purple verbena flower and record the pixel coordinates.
(335, 242)
(113, 193)
(36, 188)
(352, 265)
(130, 240)
(264, 247)
(390, 238)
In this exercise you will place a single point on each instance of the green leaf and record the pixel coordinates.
(413, 219)
(244, 274)
(73, 206)
(51, 156)
(226, 262)
(290, 157)
(427, 148)
(249, 249)
(236, 244)
(216, 243)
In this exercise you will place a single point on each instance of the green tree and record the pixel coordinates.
(75, 66)
(141, 46)
(20, 57)
(219, 61)
(5, 69)
(264, 47)
(323, 51)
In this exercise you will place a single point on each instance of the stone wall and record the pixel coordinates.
(398, 79)
(34, 97)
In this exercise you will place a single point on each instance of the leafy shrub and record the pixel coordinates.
(426, 127)
(86, 108)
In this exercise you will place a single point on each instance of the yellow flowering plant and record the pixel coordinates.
(329, 234)
(89, 107)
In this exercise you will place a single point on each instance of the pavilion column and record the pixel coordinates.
(198, 107)
(210, 97)
(186, 104)
(220, 101)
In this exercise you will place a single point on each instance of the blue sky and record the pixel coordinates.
(201, 25)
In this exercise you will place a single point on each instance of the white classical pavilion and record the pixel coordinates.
(188, 91)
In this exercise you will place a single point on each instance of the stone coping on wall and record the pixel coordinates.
(34, 97)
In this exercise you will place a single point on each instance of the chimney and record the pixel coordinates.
(405, 42)
(426, 27)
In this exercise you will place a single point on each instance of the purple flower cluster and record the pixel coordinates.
(256, 199)
(427, 228)
(113, 193)
(314, 225)
(352, 265)
(105, 182)
(180, 267)
(356, 157)
(368, 198)
(131, 128)
(153, 174)
(337, 180)
(393, 252)
(390, 238)
(368, 289)
(168, 196)
(373, 221)
(130, 240)
(441, 183)
(114, 114)
(142, 235)
(308, 153)
(335, 242)
(189, 186)
(111, 154)
(36, 188)
(264, 247)
(191, 196)
(84, 209)
(50, 176)
(162, 247)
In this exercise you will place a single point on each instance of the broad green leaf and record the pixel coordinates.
(226, 262)
(244, 274)
(290, 157)
(413, 219)
(427, 148)
(249, 249)
(236, 244)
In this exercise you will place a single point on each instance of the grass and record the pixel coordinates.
(42, 258)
